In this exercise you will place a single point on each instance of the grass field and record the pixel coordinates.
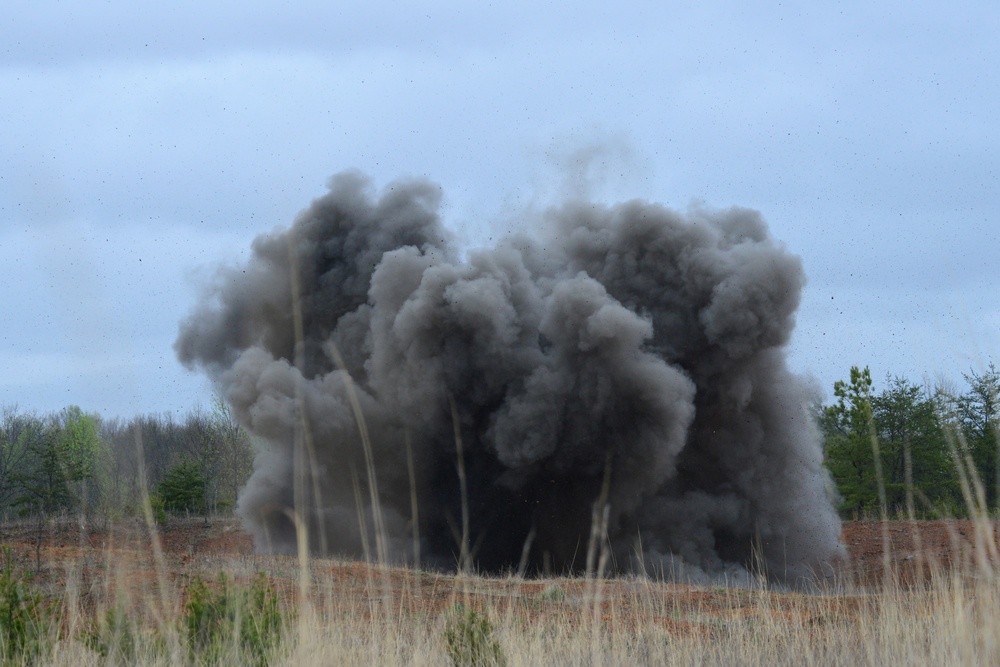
(198, 595)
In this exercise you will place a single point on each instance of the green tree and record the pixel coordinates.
(79, 446)
(78, 443)
(916, 464)
(183, 489)
(889, 449)
(42, 485)
(849, 428)
(19, 434)
(978, 413)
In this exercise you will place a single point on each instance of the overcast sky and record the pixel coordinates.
(143, 144)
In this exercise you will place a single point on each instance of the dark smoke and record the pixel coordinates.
(626, 356)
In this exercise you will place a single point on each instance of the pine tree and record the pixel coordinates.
(183, 489)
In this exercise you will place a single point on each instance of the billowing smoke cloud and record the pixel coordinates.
(626, 357)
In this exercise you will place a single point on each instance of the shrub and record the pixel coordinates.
(232, 624)
(23, 617)
(469, 639)
(115, 637)
(158, 508)
(262, 627)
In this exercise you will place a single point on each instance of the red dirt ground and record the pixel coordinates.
(106, 557)
(915, 548)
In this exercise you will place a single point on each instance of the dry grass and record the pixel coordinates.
(352, 613)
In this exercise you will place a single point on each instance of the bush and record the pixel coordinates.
(233, 625)
(158, 509)
(23, 617)
(470, 642)
(115, 637)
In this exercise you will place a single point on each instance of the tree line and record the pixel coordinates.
(76, 462)
(912, 449)
(907, 448)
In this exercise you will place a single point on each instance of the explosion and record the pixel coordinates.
(616, 378)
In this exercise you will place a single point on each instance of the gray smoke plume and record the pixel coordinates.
(625, 363)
